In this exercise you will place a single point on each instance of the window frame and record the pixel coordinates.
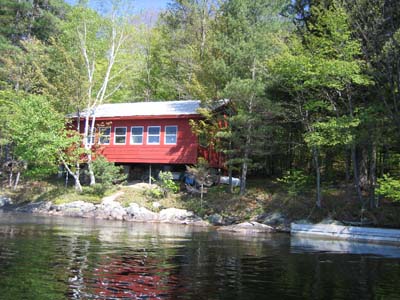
(149, 135)
(165, 134)
(104, 135)
(90, 139)
(119, 135)
(142, 135)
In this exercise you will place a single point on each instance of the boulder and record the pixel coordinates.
(36, 207)
(75, 209)
(156, 205)
(272, 219)
(330, 221)
(176, 215)
(248, 228)
(303, 221)
(138, 213)
(216, 219)
(111, 210)
(4, 200)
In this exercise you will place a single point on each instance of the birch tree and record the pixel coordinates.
(98, 43)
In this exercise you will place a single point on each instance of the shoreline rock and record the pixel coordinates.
(4, 201)
(248, 227)
(109, 209)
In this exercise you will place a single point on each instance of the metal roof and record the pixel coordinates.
(161, 108)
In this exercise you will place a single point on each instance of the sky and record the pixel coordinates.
(138, 5)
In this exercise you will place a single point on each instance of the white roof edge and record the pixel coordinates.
(151, 108)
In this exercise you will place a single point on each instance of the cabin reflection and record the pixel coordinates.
(140, 276)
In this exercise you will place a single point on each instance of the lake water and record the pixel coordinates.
(62, 258)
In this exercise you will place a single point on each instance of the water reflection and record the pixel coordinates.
(304, 244)
(59, 258)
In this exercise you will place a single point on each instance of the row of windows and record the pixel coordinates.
(153, 135)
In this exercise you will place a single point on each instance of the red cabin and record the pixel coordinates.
(150, 133)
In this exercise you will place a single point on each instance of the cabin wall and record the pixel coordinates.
(185, 151)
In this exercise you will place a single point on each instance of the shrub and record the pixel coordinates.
(95, 190)
(295, 181)
(167, 184)
(389, 188)
(106, 173)
(154, 192)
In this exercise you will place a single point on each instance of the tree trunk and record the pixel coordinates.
(245, 162)
(243, 177)
(90, 169)
(66, 179)
(78, 186)
(230, 186)
(372, 175)
(201, 195)
(348, 165)
(10, 179)
(318, 176)
(17, 180)
(355, 173)
(363, 168)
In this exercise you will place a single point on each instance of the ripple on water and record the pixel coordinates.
(77, 259)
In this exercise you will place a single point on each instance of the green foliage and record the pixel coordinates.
(37, 131)
(295, 182)
(154, 192)
(107, 173)
(389, 187)
(332, 132)
(200, 171)
(167, 184)
(97, 190)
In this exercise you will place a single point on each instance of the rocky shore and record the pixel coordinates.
(110, 209)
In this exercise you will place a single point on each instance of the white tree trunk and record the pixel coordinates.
(94, 99)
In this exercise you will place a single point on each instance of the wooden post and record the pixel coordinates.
(150, 174)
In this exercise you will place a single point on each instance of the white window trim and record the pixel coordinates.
(131, 140)
(115, 135)
(90, 139)
(100, 136)
(148, 135)
(165, 135)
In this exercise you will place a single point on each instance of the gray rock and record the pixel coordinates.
(37, 207)
(274, 219)
(216, 219)
(303, 221)
(75, 209)
(138, 213)
(248, 228)
(330, 221)
(156, 204)
(111, 210)
(176, 215)
(4, 200)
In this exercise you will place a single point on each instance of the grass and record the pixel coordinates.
(142, 197)
(263, 196)
(35, 191)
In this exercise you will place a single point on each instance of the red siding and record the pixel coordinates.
(215, 159)
(184, 152)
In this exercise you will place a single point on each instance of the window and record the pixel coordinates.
(120, 135)
(171, 134)
(137, 135)
(104, 135)
(153, 135)
(90, 139)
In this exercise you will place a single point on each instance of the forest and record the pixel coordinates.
(314, 87)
